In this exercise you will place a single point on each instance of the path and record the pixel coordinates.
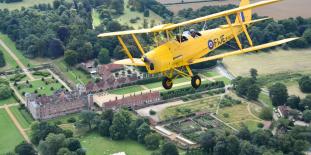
(16, 123)
(22, 100)
(228, 125)
(20, 64)
(60, 80)
(9, 105)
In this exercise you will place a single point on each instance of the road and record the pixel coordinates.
(20, 64)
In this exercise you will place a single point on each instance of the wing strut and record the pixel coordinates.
(245, 30)
(233, 32)
(126, 50)
(138, 44)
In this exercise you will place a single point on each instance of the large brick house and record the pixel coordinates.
(133, 101)
(60, 103)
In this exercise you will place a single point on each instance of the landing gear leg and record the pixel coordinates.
(167, 83)
(196, 81)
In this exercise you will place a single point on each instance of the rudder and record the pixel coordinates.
(246, 15)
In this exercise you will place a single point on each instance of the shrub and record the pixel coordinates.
(152, 112)
(41, 73)
(71, 120)
(226, 115)
(260, 125)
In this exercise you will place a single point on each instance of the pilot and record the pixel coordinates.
(194, 33)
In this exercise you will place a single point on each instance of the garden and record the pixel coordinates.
(45, 86)
(193, 128)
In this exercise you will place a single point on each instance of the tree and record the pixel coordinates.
(103, 56)
(87, 118)
(152, 141)
(305, 103)
(51, 144)
(253, 73)
(71, 57)
(132, 133)
(208, 141)
(169, 148)
(55, 48)
(41, 130)
(103, 128)
(4, 91)
(305, 84)
(307, 35)
(2, 60)
(25, 148)
(119, 128)
(244, 133)
(248, 149)
(64, 151)
(266, 113)
(142, 131)
(107, 115)
(253, 92)
(293, 101)
(307, 115)
(72, 144)
(278, 94)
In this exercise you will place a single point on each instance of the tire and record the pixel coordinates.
(167, 83)
(196, 81)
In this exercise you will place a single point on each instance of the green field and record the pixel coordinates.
(208, 104)
(128, 15)
(40, 86)
(8, 101)
(9, 135)
(23, 117)
(25, 3)
(63, 119)
(224, 79)
(210, 73)
(95, 18)
(95, 144)
(266, 99)
(250, 124)
(159, 84)
(9, 61)
(126, 90)
(71, 73)
(18, 54)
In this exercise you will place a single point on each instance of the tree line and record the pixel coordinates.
(10, 1)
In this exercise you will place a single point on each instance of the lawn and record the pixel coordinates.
(64, 119)
(250, 124)
(40, 86)
(210, 73)
(224, 79)
(18, 53)
(25, 3)
(159, 84)
(95, 144)
(71, 73)
(128, 15)
(9, 135)
(23, 117)
(126, 90)
(266, 99)
(9, 61)
(208, 104)
(8, 101)
(96, 19)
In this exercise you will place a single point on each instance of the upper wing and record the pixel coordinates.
(246, 50)
(223, 13)
(120, 33)
(137, 62)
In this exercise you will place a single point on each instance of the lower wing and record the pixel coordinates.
(137, 62)
(246, 50)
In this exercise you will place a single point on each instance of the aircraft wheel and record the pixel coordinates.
(167, 83)
(196, 81)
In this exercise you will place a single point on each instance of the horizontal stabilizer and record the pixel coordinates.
(246, 50)
(137, 62)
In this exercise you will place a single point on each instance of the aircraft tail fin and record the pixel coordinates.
(246, 15)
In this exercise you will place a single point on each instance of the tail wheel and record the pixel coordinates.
(196, 81)
(167, 83)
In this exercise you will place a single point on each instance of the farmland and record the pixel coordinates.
(277, 11)
(270, 62)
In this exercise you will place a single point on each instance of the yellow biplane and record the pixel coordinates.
(174, 57)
